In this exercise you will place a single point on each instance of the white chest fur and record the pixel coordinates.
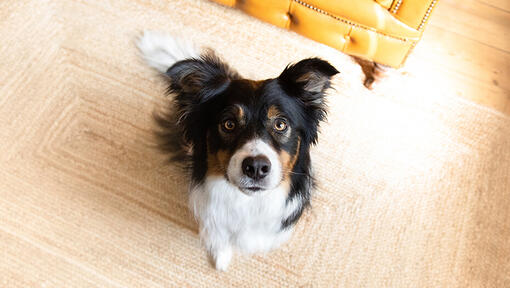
(228, 218)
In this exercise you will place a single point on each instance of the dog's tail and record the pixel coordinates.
(162, 51)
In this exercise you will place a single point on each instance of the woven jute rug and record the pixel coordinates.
(414, 183)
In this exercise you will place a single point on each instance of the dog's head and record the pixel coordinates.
(256, 134)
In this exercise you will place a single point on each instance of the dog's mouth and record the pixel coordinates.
(247, 189)
(252, 189)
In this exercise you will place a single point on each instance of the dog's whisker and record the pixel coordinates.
(296, 173)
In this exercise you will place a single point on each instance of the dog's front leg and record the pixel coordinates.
(217, 242)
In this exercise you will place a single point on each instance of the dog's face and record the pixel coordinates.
(253, 133)
(254, 138)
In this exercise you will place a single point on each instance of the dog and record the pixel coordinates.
(247, 143)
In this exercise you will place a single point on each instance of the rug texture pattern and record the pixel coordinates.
(414, 183)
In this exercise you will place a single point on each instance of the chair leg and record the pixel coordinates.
(374, 72)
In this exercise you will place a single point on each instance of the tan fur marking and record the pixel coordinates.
(272, 112)
(240, 114)
(217, 163)
(256, 84)
(289, 161)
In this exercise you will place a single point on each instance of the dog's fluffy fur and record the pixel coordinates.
(246, 142)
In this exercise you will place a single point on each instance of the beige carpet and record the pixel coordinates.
(414, 183)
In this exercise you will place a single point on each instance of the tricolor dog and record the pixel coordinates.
(247, 143)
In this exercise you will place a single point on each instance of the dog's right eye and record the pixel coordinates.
(229, 125)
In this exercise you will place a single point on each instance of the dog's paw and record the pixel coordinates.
(222, 258)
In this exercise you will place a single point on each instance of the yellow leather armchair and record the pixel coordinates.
(383, 31)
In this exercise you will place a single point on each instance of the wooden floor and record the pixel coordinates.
(466, 48)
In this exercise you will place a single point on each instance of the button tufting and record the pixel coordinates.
(287, 16)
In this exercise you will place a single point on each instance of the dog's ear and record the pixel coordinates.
(194, 82)
(308, 80)
(201, 78)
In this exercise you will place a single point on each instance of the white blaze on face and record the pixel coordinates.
(254, 148)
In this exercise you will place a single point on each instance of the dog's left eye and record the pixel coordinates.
(280, 125)
(229, 125)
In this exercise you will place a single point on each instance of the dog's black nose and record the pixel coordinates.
(256, 167)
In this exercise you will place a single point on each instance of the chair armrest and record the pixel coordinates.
(414, 13)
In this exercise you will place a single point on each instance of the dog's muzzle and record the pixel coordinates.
(255, 167)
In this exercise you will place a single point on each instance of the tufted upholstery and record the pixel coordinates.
(384, 31)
